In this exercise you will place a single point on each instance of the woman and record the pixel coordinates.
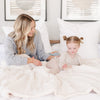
(25, 40)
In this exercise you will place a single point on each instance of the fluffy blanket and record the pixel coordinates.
(29, 81)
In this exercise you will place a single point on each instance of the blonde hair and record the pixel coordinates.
(73, 39)
(22, 27)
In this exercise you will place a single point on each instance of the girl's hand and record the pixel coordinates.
(64, 66)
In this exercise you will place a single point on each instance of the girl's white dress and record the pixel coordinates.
(55, 64)
(65, 58)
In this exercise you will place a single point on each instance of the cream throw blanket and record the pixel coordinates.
(30, 81)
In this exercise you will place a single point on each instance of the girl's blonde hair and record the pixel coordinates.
(22, 27)
(73, 39)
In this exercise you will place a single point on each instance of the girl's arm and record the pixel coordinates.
(64, 66)
(62, 60)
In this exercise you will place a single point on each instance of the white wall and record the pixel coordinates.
(53, 11)
(2, 20)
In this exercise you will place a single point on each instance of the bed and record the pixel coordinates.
(88, 96)
(91, 34)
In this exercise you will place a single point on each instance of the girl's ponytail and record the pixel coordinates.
(65, 38)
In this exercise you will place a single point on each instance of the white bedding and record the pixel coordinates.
(76, 81)
(90, 96)
(85, 74)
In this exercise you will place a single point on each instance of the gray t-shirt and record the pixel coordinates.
(12, 58)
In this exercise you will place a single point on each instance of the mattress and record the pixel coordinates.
(91, 96)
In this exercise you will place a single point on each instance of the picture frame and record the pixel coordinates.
(80, 10)
(35, 8)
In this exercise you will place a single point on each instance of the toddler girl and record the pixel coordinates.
(68, 58)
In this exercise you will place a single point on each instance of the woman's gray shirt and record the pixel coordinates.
(11, 51)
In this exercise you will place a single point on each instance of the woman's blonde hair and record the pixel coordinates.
(73, 39)
(22, 27)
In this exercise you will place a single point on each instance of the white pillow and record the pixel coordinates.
(43, 31)
(89, 31)
(41, 26)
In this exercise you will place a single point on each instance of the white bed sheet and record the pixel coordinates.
(91, 96)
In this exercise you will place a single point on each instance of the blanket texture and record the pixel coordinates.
(29, 81)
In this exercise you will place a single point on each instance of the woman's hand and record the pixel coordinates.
(34, 61)
(53, 54)
(29, 60)
(50, 57)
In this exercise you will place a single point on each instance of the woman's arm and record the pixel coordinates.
(50, 57)
(11, 53)
(41, 55)
(34, 61)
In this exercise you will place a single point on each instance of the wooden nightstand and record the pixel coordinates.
(54, 42)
